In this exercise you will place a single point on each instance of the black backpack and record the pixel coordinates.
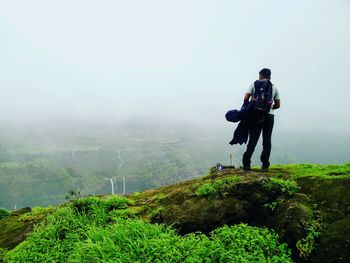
(262, 97)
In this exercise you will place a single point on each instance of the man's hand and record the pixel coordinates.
(246, 97)
(277, 104)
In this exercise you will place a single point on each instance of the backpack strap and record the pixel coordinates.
(255, 82)
(270, 90)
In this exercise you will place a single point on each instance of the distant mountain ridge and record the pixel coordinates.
(41, 163)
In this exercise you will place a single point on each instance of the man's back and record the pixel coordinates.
(264, 125)
(275, 93)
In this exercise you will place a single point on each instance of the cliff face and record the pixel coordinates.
(307, 205)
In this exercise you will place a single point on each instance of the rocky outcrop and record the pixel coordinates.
(13, 229)
(312, 216)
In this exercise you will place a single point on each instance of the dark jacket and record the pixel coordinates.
(238, 115)
(246, 120)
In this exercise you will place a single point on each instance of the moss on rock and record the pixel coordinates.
(13, 230)
(334, 243)
(331, 194)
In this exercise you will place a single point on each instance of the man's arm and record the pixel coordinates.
(246, 97)
(277, 104)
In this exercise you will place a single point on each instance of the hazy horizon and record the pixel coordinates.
(180, 62)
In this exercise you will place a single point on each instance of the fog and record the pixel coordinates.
(139, 90)
(178, 62)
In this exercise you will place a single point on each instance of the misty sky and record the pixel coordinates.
(189, 60)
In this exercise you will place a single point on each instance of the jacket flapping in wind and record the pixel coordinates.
(244, 117)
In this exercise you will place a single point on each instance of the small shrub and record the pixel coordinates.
(306, 245)
(73, 194)
(286, 186)
(272, 206)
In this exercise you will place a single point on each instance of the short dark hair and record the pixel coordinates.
(265, 72)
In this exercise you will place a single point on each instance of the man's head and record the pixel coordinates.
(265, 73)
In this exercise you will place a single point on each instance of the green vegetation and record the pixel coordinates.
(218, 186)
(87, 230)
(147, 159)
(272, 205)
(18, 179)
(3, 213)
(309, 209)
(109, 203)
(321, 171)
(15, 226)
(286, 186)
(80, 157)
(72, 194)
(156, 213)
(37, 212)
(307, 245)
(2, 254)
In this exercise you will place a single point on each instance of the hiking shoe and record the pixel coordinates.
(246, 168)
(265, 169)
(219, 167)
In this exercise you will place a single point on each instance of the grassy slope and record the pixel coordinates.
(308, 205)
(106, 230)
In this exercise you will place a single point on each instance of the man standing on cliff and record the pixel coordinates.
(265, 99)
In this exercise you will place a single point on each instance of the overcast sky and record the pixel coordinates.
(186, 59)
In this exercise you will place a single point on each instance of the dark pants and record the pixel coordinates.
(266, 127)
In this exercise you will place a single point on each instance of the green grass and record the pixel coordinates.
(325, 171)
(218, 186)
(107, 229)
(37, 212)
(91, 230)
(4, 213)
(109, 202)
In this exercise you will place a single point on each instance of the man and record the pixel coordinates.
(262, 121)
